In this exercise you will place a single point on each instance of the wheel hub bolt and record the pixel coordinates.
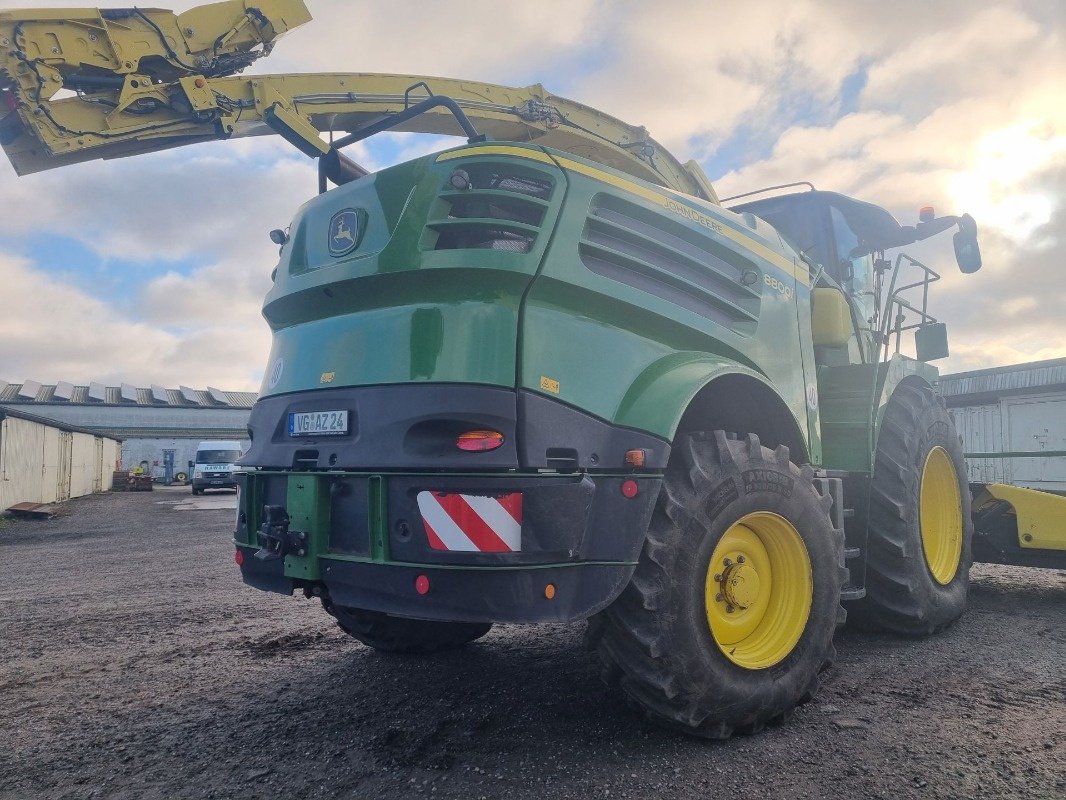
(729, 609)
(729, 562)
(741, 559)
(719, 597)
(718, 577)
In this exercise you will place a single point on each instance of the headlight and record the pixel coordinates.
(198, 473)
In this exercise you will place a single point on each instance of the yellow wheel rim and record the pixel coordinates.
(758, 590)
(940, 509)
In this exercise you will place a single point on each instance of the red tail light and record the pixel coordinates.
(479, 441)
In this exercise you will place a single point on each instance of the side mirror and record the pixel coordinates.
(931, 341)
(967, 251)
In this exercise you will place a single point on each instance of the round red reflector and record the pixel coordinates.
(630, 488)
(479, 441)
(422, 584)
(239, 557)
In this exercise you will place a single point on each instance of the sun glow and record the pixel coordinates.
(991, 189)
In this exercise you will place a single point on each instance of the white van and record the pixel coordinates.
(214, 466)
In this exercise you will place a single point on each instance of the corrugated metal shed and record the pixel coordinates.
(1012, 421)
(966, 388)
(42, 461)
(95, 393)
(149, 420)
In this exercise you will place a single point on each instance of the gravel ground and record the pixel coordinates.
(134, 664)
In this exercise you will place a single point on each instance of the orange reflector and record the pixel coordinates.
(479, 441)
(635, 458)
(549, 591)
(239, 557)
(926, 214)
(422, 584)
(630, 488)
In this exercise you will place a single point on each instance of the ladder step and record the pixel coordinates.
(849, 513)
(851, 552)
(850, 592)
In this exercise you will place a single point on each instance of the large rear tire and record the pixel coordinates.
(402, 635)
(918, 550)
(731, 612)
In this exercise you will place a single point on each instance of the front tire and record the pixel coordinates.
(730, 614)
(403, 635)
(918, 562)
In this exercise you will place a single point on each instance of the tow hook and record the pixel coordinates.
(275, 539)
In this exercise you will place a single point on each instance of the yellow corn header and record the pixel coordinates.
(82, 84)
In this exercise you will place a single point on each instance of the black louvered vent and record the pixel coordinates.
(659, 255)
(502, 209)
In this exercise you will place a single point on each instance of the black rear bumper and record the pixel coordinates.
(459, 595)
(229, 482)
(581, 536)
(352, 500)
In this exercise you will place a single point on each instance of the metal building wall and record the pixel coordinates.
(1026, 424)
(136, 450)
(84, 465)
(22, 464)
(981, 429)
(214, 423)
(43, 464)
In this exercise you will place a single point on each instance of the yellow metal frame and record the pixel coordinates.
(1041, 515)
(940, 512)
(759, 590)
(180, 88)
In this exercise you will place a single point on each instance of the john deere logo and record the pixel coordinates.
(345, 231)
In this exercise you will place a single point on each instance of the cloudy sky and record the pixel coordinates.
(152, 269)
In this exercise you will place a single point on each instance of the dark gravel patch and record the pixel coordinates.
(134, 664)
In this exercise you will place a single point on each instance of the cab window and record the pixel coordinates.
(852, 268)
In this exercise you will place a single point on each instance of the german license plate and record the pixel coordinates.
(318, 423)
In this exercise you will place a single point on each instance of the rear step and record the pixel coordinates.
(848, 591)
(835, 488)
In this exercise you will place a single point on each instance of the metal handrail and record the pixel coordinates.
(892, 324)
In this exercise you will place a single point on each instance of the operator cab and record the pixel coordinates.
(819, 226)
(843, 241)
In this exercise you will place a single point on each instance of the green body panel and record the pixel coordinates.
(629, 301)
(853, 399)
(395, 310)
(307, 503)
(606, 341)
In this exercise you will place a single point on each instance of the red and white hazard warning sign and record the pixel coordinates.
(472, 523)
